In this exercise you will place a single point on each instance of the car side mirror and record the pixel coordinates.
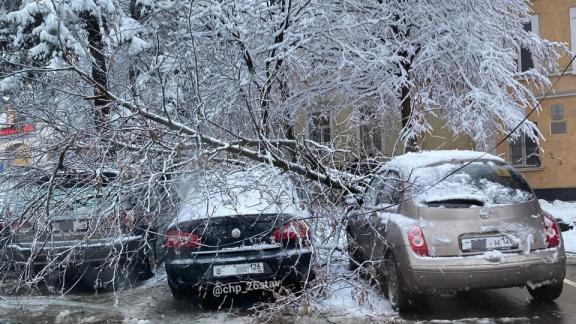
(564, 227)
(353, 200)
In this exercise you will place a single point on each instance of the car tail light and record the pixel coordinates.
(18, 227)
(176, 239)
(292, 231)
(552, 232)
(417, 241)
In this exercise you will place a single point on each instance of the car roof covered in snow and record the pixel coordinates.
(404, 164)
(257, 191)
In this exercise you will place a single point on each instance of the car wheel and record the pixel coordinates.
(303, 283)
(397, 295)
(180, 294)
(143, 265)
(354, 258)
(177, 292)
(383, 282)
(546, 293)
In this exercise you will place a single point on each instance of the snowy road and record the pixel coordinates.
(152, 303)
(502, 305)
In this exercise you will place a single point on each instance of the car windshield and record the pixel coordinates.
(476, 184)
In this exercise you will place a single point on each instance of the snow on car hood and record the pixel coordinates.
(239, 193)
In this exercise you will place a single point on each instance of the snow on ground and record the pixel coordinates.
(346, 298)
(352, 297)
(567, 212)
(347, 295)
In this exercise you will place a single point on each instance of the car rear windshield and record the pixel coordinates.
(63, 196)
(476, 184)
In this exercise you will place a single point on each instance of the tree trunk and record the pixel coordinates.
(406, 111)
(99, 70)
(135, 14)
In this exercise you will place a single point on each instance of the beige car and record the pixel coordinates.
(446, 221)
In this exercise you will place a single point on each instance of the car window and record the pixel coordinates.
(478, 183)
(373, 190)
(390, 191)
(65, 196)
(385, 188)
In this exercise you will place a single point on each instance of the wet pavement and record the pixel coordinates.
(151, 302)
(510, 305)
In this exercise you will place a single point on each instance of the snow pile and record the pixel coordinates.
(409, 161)
(353, 299)
(565, 211)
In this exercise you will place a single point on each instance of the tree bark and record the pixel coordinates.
(406, 112)
(99, 70)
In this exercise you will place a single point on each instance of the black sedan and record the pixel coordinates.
(243, 233)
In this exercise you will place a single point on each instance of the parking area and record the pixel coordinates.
(151, 302)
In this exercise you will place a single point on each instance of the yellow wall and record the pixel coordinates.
(345, 136)
(558, 155)
(442, 138)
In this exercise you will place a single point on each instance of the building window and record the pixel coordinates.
(573, 35)
(558, 124)
(525, 61)
(319, 129)
(557, 112)
(524, 152)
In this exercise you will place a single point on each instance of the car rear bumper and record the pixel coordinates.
(87, 251)
(476, 272)
(280, 265)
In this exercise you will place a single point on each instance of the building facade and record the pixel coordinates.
(550, 165)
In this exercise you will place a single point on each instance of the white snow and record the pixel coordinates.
(409, 161)
(565, 211)
(137, 45)
(252, 192)
(560, 209)
(25, 15)
(346, 299)
(468, 185)
(493, 256)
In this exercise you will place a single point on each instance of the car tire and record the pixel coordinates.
(303, 282)
(177, 292)
(546, 293)
(183, 295)
(354, 258)
(397, 295)
(383, 282)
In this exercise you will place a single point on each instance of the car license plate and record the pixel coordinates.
(479, 244)
(70, 226)
(237, 269)
(55, 227)
(80, 225)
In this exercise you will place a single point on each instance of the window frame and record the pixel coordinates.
(523, 161)
(386, 184)
(319, 129)
(534, 27)
(558, 121)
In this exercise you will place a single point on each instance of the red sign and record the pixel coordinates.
(27, 128)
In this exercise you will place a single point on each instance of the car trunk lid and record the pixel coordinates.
(230, 233)
(475, 230)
